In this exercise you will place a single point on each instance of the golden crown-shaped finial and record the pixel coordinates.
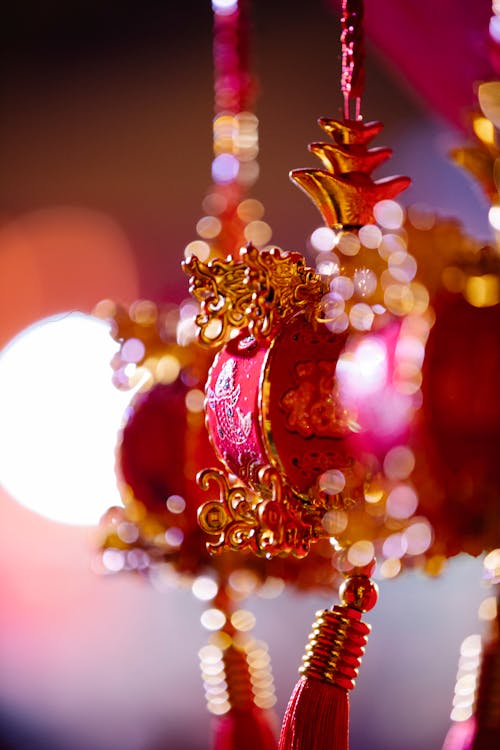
(344, 191)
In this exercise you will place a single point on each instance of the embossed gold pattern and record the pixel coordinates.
(312, 407)
(254, 292)
(275, 524)
(220, 288)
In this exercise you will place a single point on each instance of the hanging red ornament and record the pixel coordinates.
(457, 436)
(458, 433)
(275, 412)
(163, 443)
(272, 401)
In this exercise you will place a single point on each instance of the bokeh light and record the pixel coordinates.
(61, 258)
(60, 419)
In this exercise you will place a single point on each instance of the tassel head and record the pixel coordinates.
(317, 716)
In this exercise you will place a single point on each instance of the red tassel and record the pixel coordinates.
(245, 729)
(317, 717)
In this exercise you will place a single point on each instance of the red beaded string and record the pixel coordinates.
(234, 85)
(353, 56)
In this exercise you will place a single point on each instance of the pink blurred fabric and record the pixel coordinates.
(460, 735)
(440, 48)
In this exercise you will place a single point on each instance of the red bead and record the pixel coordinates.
(359, 592)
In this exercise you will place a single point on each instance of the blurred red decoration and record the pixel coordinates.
(457, 473)
(163, 444)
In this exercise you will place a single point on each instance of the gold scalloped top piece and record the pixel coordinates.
(344, 191)
(350, 132)
(345, 159)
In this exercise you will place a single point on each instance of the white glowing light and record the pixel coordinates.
(388, 214)
(60, 419)
(494, 217)
(213, 619)
(323, 239)
(225, 168)
(204, 588)
(224, 6)
(402, 503)
(361, 553)
(370, 236)
(365, 371)
(494, 28)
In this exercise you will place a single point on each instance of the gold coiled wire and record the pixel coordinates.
(336, 644)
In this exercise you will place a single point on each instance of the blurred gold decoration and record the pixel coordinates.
(457, 433)
(481, 159)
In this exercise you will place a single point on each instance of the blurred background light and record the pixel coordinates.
(60, 418)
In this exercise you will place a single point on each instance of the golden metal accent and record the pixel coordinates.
(352, 132)
(336, 644)
(282, 285)
(344, 159)
(220, 288)
(252, 292)
(233, 516)
(274, 523)
(291, 524)
(344, 192)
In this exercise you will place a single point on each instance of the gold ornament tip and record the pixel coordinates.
(350, 132)
(347, 200)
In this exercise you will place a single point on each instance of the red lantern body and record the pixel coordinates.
(275, 402)
(459, 442)
(163, 446)
(461, 380)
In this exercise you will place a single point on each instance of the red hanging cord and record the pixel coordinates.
(353, 56)
(234, 86)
